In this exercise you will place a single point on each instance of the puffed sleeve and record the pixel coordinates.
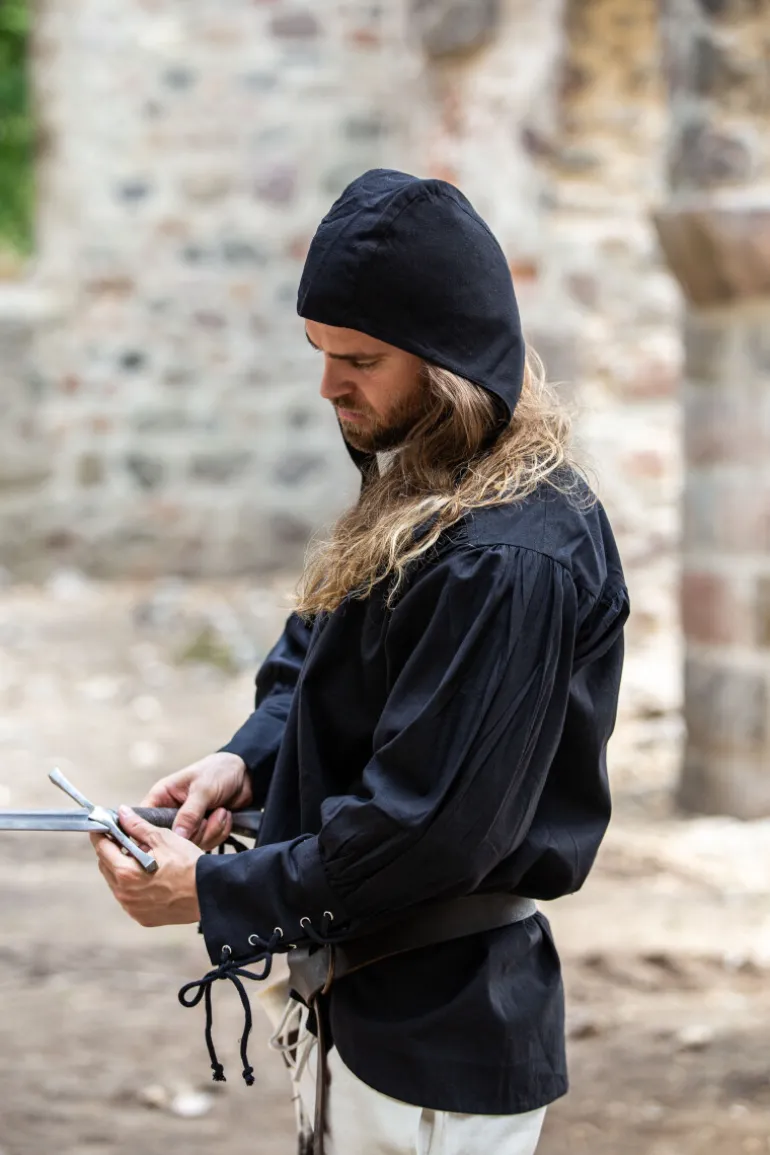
(259, 738)
(479, 653)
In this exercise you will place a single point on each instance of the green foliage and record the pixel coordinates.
(16, 128)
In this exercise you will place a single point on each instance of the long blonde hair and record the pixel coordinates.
(447, 468)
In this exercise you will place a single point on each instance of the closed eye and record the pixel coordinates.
(352, 360)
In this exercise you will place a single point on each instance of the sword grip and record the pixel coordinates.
(245, 822)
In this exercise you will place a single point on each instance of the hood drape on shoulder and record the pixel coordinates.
(410, 262)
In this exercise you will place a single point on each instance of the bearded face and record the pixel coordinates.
(378, 391)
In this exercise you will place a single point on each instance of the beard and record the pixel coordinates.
(377, 434)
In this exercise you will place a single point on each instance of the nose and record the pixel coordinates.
(333, 382)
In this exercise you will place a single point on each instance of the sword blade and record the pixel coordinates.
(246, 823)
(74, 820)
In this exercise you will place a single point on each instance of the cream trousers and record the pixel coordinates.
(362, 1121)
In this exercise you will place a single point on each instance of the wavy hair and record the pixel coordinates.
(456, 460)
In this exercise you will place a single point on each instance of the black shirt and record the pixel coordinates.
(450, 745)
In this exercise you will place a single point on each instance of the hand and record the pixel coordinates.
(167, 896)
(218, 783)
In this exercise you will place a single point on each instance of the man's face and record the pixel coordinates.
(377, 390)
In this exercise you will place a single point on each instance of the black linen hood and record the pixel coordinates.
(411, 263)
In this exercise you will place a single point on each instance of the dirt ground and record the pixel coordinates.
(666, 951)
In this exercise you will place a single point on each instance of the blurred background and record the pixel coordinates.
(164, 458)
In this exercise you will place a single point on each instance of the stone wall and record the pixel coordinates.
(189, 152)
(25, 452)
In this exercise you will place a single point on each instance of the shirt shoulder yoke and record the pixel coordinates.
(570, 528)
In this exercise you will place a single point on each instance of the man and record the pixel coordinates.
(430, 732)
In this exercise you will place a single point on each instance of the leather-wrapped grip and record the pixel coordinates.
(245, 822)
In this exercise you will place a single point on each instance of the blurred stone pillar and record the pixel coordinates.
(715, 231)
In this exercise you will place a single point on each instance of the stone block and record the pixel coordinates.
(133, 190)
(365, 38)
(707, 64)
(559, 352)
(157, 420)
(365, 129)
(652, 379)
(20, 469)
(718, 253)
(737, 79)
(243, 251)
(762, 611)
(148, 472)
(584, 288)
(727, 709)
(278, 184)
(300, 418)
(703, 158)
(206, 186)
(726, 511)
(291, 531)
(220, 466)
(647, 464)
(722, 425)
(300, 24)
(179, 78)
(268, 540)
(732, 10)
(708, 343)
(132, 360)
(577, 160)
(714, 609)
(715, 783)
(755, 341)
(455, 27)
(297, 468)
(90, 469)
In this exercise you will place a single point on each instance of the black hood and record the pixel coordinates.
(410, 262)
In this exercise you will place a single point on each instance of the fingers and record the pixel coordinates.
(147, 835)
(215, 830)
(215, 780)
(112, 861)
(191, 814)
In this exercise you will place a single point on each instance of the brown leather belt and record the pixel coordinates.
(313, 969)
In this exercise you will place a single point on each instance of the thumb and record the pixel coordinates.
(191, 814)
(135, 827)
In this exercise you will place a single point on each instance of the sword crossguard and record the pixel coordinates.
(107, 819)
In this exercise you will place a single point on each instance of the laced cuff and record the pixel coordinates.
(234, 969)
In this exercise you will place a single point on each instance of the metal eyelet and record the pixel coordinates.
(328, 914)
(303, 920)
(227, 948)
(255, 936)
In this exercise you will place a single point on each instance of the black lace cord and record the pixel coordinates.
(232, 841)
(234, 970)
(223, 971)
(322, 937)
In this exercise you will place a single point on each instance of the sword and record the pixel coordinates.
(91, 819)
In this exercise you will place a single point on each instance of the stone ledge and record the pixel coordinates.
(718, 253)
